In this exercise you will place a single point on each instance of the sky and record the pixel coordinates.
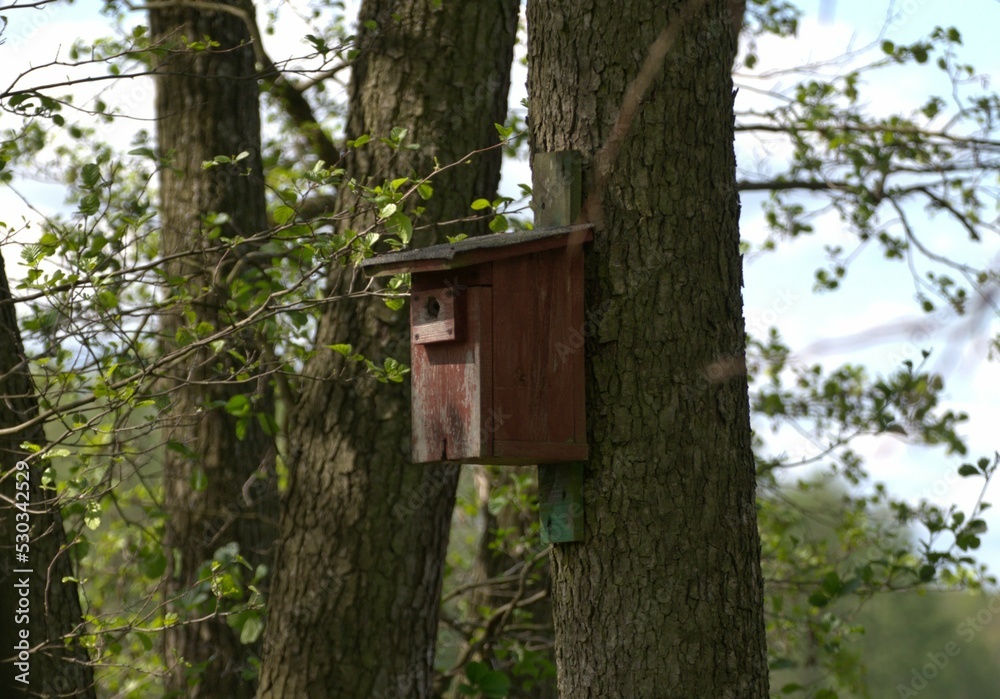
(778, 286)
(878, 293)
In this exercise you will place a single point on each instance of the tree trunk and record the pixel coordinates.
(219, 487)
(510, 524)
(664, 597)
(53, 606)
(363, 532)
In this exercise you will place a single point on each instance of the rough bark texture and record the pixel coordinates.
(364, 533)
(218, 487)
(664, 598)
(53, 606)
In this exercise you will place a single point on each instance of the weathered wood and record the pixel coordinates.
(557, 188)
(452, 391)
(533, 386)
(560, 502)
(474, 251)
(530, 453)
(433, 316)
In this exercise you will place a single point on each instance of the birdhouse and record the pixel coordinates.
(496, 333)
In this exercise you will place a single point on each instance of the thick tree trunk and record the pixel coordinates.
(363, 532)
(34, 574)
(664, 597)
(218, 486)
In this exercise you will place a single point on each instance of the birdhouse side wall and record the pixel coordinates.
(538, 326)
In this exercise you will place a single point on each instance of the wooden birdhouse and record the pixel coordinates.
(496, 332)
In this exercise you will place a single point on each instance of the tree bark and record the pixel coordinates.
(363, 532)
(664, 597)
(53, 611)
(219, 488)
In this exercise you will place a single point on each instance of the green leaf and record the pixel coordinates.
(832, 584)
(268, 424)
(398, 133)
(498, 224)
(107, 300)
(480, 204)
(425, 190)
(387, 211)
(283, 214)
(199, 481)
(153, 564)
(90, 174)
(251, 630)
(90, 204)
(495, 685)
(818, 599)
(966, 470)
(476, 671)
(504, 131)
(93, 517)
(359, 141)
(403, 226)
(395, 304)
(343, 349)
(238, 405)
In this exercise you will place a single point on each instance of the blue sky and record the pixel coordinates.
(778, 286)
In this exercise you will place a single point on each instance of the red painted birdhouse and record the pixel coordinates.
(496, 331)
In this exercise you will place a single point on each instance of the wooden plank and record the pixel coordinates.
(449, 390)
(521, 243)
(532, 379)
(575, 343)
(556, 183)
(560, 502)
(556, 188)
(435, 316)
(544, 452)
(458, 280)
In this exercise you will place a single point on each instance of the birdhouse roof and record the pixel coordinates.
(476, 250)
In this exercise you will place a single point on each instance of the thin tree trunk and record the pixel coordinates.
(53, 602)
(364, 533)
(664, 597)
(218, 486)
(512, 523)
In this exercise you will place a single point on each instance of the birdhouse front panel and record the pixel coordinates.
(452, 376)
